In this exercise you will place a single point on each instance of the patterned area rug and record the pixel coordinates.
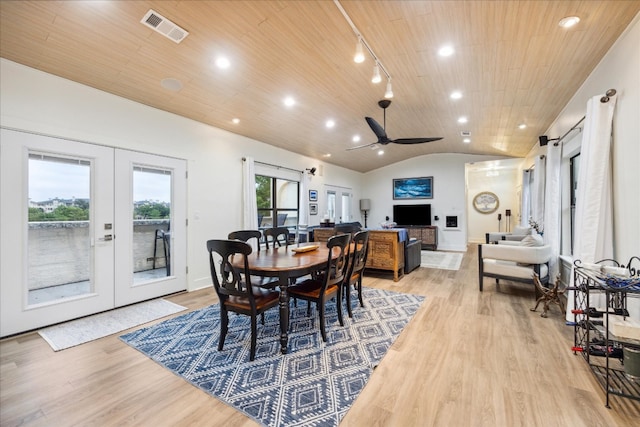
(441, 260)
(314, 384)
(80, 331)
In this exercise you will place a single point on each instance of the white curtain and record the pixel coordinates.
(552, 207)
(525, 208)
(250, 203)
(303, 218)
(537, 192)
(594, 211)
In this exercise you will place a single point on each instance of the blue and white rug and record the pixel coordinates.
(314, 384)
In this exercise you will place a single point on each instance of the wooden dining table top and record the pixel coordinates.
(285, 259)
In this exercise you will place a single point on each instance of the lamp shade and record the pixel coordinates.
(365, 204)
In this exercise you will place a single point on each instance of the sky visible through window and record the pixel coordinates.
(51, 179)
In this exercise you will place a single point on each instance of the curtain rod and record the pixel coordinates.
(244, 159)
(603, 100)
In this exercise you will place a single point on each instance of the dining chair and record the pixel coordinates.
(357, 263)
(234, 288)
(247, 236)
(277, 236)
(329, 284)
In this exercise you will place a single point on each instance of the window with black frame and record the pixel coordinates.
(574, 165)
(278, 202)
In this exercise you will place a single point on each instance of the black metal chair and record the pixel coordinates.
(356, 267)
(234, 287)
(276, 236)
(328, 284)
(165, 236)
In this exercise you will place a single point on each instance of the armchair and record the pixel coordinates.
(517, 234)
(513, 262)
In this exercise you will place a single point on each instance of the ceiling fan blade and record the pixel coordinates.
(415, 140)
(378, 130)
(362, 146)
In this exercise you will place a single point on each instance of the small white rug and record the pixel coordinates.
(441, 260)
(80, 331)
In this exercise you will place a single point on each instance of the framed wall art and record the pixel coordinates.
(413, 188)
(313, 209)
(486, 202)
(313, 195)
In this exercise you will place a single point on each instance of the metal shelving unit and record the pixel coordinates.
(601, 349)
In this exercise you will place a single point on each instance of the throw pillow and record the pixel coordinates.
(518, 230)
(532, 240)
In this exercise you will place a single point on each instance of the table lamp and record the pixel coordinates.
(365, 206)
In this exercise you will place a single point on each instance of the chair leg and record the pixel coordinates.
(262, 317)
(347, 290)
(321, 310)
(254, 333)
(360, 291)
(339, 305)
(224, 325)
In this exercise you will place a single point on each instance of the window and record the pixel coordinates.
(574, 165)
(277, 198)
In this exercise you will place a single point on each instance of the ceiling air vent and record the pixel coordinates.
(154, 20)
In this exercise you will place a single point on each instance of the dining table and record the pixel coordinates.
(286, 263)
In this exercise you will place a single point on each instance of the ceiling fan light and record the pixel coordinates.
(376, 74)
(359, 56)
(389, 93)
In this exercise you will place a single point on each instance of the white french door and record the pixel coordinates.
(70, 243)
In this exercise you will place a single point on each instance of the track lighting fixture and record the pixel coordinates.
(389, 93)
(376, 74)
(312, 171)
(359, 56)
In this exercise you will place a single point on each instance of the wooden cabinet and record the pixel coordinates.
(427, 234)
(386, 252)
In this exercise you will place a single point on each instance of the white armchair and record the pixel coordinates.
(513, 262)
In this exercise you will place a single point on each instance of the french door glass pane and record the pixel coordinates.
(151, 223)
(346, 207)
(59, 238)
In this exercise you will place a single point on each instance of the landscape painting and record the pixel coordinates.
(413, 188)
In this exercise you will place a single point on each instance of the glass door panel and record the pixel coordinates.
(59, 240)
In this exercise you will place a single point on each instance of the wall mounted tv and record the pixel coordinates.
(405, 215)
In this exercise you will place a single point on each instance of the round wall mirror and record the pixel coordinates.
(486, 202)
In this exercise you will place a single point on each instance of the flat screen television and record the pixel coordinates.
(406, 215)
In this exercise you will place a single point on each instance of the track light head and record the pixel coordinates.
(376, 74)
(312, 171)
(389, 92)
(359, 56)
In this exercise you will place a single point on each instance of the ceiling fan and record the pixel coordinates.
(380, 132)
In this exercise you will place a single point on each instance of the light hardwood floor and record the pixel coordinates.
(466, 359)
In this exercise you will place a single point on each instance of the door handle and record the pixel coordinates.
(106, 238)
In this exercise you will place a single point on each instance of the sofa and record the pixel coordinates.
(514, 261)
(517, 234)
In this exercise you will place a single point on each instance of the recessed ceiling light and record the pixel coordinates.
(171, 84)
(222, 62)
(462, 119)
(522, 126)
(235, 120)
(446, 50)
(569, 21)
(289, 101)
(467, 140)
(356, 138)
(327, 155)
(380, 152)
(330, 123)
(456, 94)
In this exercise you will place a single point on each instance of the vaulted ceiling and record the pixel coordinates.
(513, 65)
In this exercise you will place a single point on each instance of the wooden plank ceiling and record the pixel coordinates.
(512, 63)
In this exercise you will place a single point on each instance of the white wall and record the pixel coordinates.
(448, 171)
(39, 102)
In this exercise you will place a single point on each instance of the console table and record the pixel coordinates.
(428, 234)
(386, 252)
